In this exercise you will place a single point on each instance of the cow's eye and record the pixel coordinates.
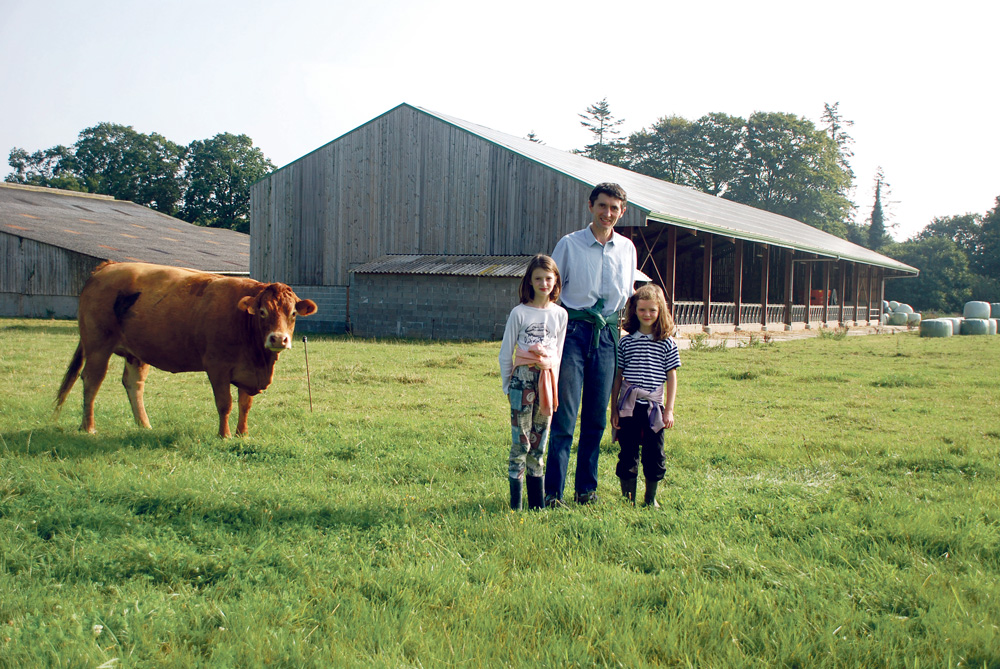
(263, 312)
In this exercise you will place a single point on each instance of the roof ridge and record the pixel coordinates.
(55, 191)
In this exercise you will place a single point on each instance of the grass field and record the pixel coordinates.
(828, 503)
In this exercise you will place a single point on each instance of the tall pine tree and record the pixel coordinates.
(836, 127)
(606, 148)
(877, 236)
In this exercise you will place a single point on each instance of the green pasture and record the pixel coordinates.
(828, 503)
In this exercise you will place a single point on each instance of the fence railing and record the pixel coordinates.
(688, 313)
(722, 313)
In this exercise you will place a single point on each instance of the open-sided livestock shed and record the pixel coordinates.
(420, 224)
(51, 240)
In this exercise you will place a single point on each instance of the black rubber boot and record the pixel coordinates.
(651, 494)
(516, 485)
(628, 489)
(536, 492)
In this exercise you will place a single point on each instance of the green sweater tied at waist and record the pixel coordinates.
(594, 316)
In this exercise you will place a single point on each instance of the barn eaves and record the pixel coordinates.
(679, 205)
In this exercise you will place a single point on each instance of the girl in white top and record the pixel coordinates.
(529, 375)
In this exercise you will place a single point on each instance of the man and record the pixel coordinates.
(598, 272)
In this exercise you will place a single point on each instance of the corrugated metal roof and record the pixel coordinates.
(669, 203)
(452, 265)
(497, 266)
(105, 228)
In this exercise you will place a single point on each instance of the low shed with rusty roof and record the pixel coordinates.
(51, 240)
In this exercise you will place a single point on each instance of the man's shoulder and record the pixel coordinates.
(619, 238)
(578, 236)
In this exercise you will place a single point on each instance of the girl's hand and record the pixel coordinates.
(668, 419)
(614, 418)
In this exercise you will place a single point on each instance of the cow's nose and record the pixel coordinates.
(277, 340)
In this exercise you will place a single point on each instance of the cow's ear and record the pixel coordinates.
(305, 307)
(246, 304)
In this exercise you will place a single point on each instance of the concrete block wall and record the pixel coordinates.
(331, 314)
(431, 306)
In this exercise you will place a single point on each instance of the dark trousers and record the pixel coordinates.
(635, 436)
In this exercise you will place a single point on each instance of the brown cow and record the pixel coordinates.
(181, 320)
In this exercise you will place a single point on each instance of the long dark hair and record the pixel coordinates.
(543, 262)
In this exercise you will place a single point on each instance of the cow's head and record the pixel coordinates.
(274, 309)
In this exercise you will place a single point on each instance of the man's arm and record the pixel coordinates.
(615, 389)
(559, 256)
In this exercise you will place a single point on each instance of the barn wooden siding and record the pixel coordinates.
(407, 183)
(34, 268)
(39, 279)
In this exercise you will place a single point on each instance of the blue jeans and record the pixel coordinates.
(585, 378)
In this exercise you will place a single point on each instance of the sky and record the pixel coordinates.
(919, 84)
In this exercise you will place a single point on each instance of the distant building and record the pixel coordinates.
(51, 240)
(420, 224)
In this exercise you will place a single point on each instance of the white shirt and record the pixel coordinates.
(591, 270)
(526, 326)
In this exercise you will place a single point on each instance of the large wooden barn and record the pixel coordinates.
(420, 224)
(51, 240)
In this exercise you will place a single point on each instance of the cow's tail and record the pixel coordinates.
(72, 372)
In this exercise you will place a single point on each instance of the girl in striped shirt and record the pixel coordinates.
(644, 390)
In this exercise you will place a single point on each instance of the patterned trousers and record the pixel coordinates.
(529, 428)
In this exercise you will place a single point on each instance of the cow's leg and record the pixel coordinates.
(246, 399)
(134, 380)
(223, 402)
(94, 371)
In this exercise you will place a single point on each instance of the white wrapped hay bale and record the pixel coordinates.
(885, 306)
(993, 326)
(897, 318)
(956, 325)
(913, 319)
(977, 310)
(995, 310)
(903, 309)
(892, 305)
(975, 326)
(884, 318)
(936, 327)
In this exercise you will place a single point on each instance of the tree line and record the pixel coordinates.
(785, 164)
(778, 162)
(958, 258)
(206, 182)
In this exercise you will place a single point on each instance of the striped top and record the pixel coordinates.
(645, 362)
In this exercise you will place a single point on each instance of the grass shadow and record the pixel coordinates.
(61, 328)
(62, 443)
